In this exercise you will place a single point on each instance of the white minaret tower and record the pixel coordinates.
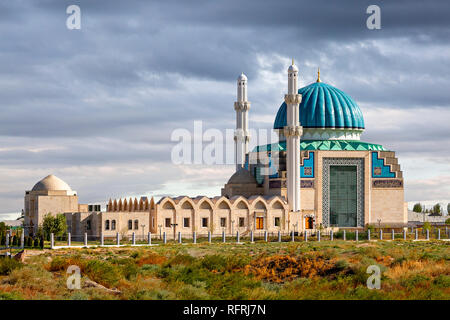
(292, 132)
(241, 135)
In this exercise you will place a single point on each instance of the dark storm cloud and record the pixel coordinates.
(112, 92)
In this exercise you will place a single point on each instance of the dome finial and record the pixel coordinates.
(293, 61)
(318, 75)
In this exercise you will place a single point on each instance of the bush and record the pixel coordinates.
(15, 241)
(36, 242)
(447, 221)
(7, 265)
(29, 242)
(41, 243)
(102, 272)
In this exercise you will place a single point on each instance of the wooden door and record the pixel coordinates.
(259, 223)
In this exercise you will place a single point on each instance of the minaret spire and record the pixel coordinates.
(292, 132)
(241, 135)
(318, 75)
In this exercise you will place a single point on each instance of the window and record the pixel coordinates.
(204, 222)
(223, 222)
(88, 225)
(277, 221)
(136, 224)
(113, 225)
(186, 222)
(241, 222)
(130, 224)
(107, 225)
(168, 223)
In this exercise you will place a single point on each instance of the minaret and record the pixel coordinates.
(292, 132)
(241, 135)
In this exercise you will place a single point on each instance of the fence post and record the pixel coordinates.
(237, 236)
(149, 238)
(318, 235)
(265, 236)
(344, 235)
(306, 235)
(428, 234)
(22, 239)
(293, 236)
(194, 237)
(209, 236)
(224, 239)
(7, 239)
(85, 239)
(357, 235)
(331, 235)
(69, 239)
(439, 234)
(381, 234)
(279, 236)
(133, 238)
(393, 234)
(102, 239)
(118, 239)
(417, 235)
(52, 240)
(164, 237)
(368, 234)
(251, 236)
(404, 234)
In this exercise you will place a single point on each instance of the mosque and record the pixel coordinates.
(318, 175)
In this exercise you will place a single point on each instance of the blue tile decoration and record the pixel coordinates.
(379, 169)
(307, 169)
(273, 170)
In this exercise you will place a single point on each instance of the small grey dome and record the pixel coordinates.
(50, 183)
(242, 176)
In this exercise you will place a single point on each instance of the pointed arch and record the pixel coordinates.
(136, 205)
(152, 203)
(187, 204)
(120, 205)
(115, 205)
(125, 205)
(223, 203)
(110, 205)
(167, 203)
(205, 203)
(276, 204)
(146, 204)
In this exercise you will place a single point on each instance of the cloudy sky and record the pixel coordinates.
(97, 106)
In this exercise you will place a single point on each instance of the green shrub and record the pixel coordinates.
(102, 272)
(36, 243)
(29, 242)
(7, 265)
(41, 243)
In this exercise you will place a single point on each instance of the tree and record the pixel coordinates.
(447, 221)
(437, 209)
(417, 207)
(56, 225)
(427, 226)
(2, 227)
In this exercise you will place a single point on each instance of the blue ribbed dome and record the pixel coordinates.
(324, 106)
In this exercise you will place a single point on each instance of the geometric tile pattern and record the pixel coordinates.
(359, 163)
(379, 169)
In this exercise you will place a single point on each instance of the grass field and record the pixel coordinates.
(313, 270)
